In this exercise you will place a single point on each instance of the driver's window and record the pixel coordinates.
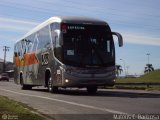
(56, 42)
(108, 46)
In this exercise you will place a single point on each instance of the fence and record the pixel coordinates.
(138, 83)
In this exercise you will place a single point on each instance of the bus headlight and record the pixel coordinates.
(66, 80)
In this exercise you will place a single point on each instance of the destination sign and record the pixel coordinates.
(75, 27)
(65, 27)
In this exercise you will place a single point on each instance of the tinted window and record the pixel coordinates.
(44, 38)
(88, 45)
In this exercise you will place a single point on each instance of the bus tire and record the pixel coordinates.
(50, 85)
(92, 89)
(26, 87)
(23, 86)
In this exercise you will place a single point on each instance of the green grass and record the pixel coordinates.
(17, 111)
(150, 77)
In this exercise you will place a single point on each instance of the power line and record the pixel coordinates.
(5, 49)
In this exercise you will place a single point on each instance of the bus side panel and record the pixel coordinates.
(45, 56)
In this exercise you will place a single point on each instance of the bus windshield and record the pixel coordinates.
(87, 45)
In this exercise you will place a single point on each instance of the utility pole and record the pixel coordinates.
(5, 49)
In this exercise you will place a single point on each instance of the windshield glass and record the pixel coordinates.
(87, 45)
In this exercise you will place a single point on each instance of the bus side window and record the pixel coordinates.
(15, 51)
(57, 49)
(56, 42)
(54, 37)
(35, 45)
(24, 47)
(108, 46)
(44, 38)
(19, 49)
(29, 46)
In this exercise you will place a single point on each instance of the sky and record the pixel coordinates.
(138, 21)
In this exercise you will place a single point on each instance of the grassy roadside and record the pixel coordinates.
(13, 110)
(137, 87)
(150, 77)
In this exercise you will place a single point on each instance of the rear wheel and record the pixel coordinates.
(23, 86)
(92, 89)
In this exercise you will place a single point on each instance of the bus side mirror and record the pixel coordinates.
(120, 39)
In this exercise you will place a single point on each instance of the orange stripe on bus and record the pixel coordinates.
(28, 59)
(17, 60)
(33, 59)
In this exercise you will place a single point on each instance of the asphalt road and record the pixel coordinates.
(77, 104)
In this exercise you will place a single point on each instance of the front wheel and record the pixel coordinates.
(26, 87)
(92, 89)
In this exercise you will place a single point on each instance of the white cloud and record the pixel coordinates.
(140, 39)
(8, 27)
(23, 26)
(9, 38)
(11, 29)
(10, 20)
(8, 24)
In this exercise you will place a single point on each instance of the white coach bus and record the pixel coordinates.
(66, 52)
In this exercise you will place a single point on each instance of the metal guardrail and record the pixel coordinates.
(138, 83)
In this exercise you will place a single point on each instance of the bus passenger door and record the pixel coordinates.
(57, 54)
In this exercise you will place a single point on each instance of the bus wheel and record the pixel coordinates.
(23, 86)
(51, 88)
(92, 89)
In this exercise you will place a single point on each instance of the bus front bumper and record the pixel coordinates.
(83, 80)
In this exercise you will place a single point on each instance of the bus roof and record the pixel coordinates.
(65, 19)
(81, 20)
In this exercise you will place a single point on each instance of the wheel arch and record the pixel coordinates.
(21, 77)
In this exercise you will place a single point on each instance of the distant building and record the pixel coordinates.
(9, 66)
(1, 60)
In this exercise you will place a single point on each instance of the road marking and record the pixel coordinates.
(68, 102)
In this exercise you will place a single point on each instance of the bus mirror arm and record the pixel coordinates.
(120, 38)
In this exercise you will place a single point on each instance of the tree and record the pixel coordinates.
(148, 68)
(118, 70)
